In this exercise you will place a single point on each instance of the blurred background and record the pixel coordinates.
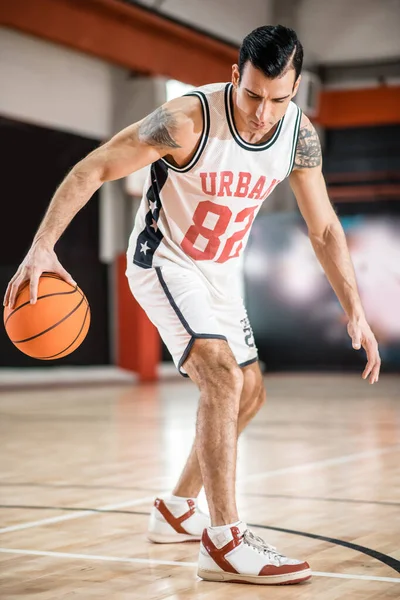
(74, 73)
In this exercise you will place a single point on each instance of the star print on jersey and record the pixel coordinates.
(144, 247)
(153, 206)
(151, 236)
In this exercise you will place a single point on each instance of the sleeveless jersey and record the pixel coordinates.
(200, 215)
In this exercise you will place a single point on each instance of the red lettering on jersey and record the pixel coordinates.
(274, 183)
(256, 192)
(213, 177)
(226, 179)
(243, 183)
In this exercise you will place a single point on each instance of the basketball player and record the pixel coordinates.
(215, 154)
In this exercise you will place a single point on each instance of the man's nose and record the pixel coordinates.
(262, 112)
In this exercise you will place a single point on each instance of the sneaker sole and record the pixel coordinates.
(287, 578)
(173, 538)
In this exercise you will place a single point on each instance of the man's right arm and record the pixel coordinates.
(159, 134)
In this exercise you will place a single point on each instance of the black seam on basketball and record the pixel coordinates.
(40, 298)
(48, 275)
(73, 342)
(26, 283)
(50, 328)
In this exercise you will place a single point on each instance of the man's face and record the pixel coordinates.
(260, 101)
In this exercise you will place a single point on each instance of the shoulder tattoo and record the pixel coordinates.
(308, 151)
(158, 129)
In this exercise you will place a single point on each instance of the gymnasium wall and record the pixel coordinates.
(228, 19)
(340, 31)
(51, 85)
(332, 31)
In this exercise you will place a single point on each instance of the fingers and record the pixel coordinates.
(66, 276)
(7, 295)
(373, 366)
(33, 285)
(375, 372)
(12, 289)
(19, 278)
(372, 371)
(31, 273)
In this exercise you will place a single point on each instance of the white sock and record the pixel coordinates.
(173, 498)
(223, 527)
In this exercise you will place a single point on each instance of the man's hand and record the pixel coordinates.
(361, 335)
(40, 258)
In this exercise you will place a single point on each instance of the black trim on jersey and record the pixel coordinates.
(204, 136)
(295, 140)
(150, 238)
(193, 334)
(235, 134)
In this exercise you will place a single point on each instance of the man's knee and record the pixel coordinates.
(212, 366)
(253, 393)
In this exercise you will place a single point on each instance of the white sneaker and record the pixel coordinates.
(176, 521)
(237, 555)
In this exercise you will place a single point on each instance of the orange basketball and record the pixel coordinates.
(53, 327)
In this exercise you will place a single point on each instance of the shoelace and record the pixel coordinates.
(261, 545)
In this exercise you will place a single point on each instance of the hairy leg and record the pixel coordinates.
(251, 398)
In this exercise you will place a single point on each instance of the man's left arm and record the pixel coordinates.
(329, 241)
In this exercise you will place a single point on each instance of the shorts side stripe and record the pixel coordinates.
(248, 362)
(173, 303)
(193, 334)
(182, 319)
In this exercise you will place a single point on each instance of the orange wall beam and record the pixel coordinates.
(358, 108)
(125, 35)
(139, 344)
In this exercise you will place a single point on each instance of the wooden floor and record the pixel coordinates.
(318, 476)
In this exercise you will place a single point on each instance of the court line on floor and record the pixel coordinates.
(165, 480)
(384, 558)
(80, 486)
(255, 476)
(172, 563)
(329, 462)
(77, 515)
(319, 499)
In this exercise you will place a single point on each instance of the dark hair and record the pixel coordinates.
(273, 49)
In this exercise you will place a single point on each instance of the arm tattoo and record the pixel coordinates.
(308, 151)
(157, 129)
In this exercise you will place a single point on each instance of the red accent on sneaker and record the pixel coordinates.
(175, 522)
(218, 554)
(273, 570)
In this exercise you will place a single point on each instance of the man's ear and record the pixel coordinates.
(235, 75)
(296, 86)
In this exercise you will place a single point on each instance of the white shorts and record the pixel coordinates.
(183, 308)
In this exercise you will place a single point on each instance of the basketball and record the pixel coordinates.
(53, 327)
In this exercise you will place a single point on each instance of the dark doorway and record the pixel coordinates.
(34, 162)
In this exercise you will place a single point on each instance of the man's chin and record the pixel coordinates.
(261, 128)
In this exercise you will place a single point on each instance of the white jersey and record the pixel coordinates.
(200, 215)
